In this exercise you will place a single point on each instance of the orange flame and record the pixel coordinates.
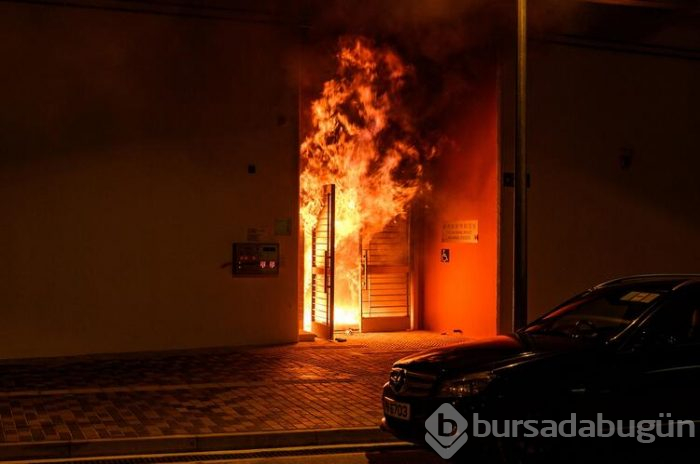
(361, 141)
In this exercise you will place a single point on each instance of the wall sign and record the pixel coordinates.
(259, 234)
(461, 231)
(283, 226)
(445, 255)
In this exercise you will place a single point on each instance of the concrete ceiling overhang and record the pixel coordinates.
(669, 27)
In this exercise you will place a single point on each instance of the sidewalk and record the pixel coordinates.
(294, 390)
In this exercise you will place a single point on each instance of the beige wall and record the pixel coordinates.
(125, 141)
(590, 219)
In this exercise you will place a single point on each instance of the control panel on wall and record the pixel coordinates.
(256, 259)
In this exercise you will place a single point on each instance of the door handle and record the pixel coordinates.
(365, 277)
(327, 271)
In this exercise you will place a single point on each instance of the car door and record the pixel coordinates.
(660, 373)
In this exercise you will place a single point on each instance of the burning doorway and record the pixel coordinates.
(385, 277)
(374, 134)
(356, 247)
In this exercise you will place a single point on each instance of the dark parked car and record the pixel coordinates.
(628, 349)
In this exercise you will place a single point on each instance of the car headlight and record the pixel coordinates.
(469, 385)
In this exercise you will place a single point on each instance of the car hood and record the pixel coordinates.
(490, 353)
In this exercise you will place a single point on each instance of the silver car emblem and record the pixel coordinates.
(397, 379)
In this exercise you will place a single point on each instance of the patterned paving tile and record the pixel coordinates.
(292, 387)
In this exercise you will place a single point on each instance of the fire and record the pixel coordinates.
(363, 141)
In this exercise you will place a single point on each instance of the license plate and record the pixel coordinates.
(393, 408)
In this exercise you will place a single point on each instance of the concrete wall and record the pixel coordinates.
(591, 217)
(124, 146)
(462, 294)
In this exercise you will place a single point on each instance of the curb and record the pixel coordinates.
(192, 443)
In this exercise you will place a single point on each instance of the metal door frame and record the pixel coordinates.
(324, 328)
(387, 323)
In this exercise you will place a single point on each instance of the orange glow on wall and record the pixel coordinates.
(462, 294)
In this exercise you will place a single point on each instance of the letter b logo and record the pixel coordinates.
(447, 430)
(446, 427)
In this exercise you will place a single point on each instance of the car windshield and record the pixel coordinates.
(599, 314)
